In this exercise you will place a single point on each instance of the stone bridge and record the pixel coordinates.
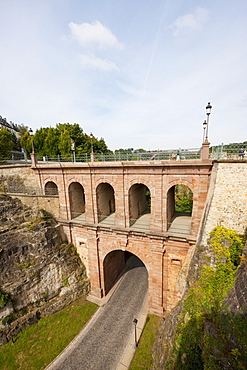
(110, 211)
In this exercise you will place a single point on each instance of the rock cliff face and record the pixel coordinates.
(38, 272)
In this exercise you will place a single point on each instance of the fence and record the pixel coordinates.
(230, 151)
(176, 154)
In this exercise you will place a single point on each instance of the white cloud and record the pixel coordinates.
(94, 34)
(93, 61)
(190, 22)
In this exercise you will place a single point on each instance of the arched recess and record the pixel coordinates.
(179, 209)
(115, 264)
(76, 199)
(105, 201)
(51, 188)
(139, 203)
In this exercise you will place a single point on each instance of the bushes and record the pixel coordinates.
(205, 329)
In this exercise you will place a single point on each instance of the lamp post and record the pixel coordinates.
(204, 128)
(31, 134)
(92, 154)
(135, 321)
(208, 112)
(91, 136)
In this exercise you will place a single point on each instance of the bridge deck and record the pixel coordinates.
(181, 223)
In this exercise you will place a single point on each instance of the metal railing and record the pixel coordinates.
(230, 151)
(176, 154)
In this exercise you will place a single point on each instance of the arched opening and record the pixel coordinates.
(105, 204)
(51, 188)
(116, 264)
(179, 209)
(77, 200)
(139, 206)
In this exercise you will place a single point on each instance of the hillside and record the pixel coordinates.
(40, 273)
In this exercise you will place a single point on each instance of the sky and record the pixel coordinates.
(138, 73)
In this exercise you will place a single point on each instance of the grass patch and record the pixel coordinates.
(37, 346)
(143, 356)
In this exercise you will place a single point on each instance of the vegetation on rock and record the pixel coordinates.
(4, 299)
(208, 335)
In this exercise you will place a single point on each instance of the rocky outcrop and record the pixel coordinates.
(38, 271)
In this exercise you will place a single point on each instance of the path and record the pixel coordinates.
(103, 343)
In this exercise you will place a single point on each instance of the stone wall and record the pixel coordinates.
(227, 198)
(20, 181)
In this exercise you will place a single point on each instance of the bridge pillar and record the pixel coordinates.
(205, 151)
(33, 159)
(155, 288)
(94, 267)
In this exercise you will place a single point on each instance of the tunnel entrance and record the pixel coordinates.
(115, 264)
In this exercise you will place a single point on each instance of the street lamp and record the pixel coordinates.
(208, 112)
(204, 128)
(135, 321)
(91, 136)
(31, 134)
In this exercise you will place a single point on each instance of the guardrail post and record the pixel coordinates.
(33, 159)
(205, 151)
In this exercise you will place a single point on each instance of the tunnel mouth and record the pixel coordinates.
(116, 264)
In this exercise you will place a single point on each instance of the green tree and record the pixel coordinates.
(22, 129)
(16, 142)
(183, 198)
(6, 143)
(64, 144)
(75, 132)
(39, 141)
(26, 142)
(51, 142)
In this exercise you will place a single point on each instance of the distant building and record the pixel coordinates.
(11, 126)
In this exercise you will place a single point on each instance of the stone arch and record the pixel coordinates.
(51, 188)
(115, 264)
(179, 205)
(105, 196)
(139, 202)
(76, 199)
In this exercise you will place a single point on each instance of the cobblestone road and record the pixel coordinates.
(103, 344)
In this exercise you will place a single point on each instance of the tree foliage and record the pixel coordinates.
(58, 141)
(6, 143)
(183, 199)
